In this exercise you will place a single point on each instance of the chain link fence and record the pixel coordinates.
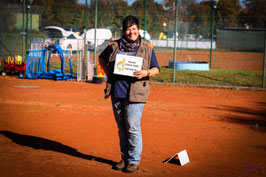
(234, 53)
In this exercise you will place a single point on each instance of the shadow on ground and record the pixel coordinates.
(256, 118)
(172, 161)
(45, 144)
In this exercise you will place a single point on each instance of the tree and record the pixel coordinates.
(183, 5)
(120, 9)
(110, 14)
(64, 13)
(190, 14)
(254, 14)
(227, 13)
(9, 20)
(154, 16)
(199, 18)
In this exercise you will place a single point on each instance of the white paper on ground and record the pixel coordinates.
(182, 156)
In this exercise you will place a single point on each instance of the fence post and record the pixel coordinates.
(23, 32)
(145, 13)
(176, 14)
(95, 27)
(27, 24)
(211, 33)
(85, 32)
(30, 25)
(264, 61)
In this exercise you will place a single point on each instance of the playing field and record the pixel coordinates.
(67, 129)
(220, 60)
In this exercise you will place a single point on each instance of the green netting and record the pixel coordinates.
(240, 40)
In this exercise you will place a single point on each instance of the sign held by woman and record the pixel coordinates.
(127, 65)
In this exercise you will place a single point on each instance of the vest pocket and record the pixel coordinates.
(139, 91)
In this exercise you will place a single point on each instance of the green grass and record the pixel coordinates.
(57, 65)
(220, 77)
(160, 49)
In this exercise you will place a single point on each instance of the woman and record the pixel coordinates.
(129, 94)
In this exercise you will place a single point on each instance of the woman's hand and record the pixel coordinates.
(142, 73)
(146, 73)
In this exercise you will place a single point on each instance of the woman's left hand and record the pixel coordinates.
(140, 74)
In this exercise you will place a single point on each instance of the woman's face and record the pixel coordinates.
(132, 33)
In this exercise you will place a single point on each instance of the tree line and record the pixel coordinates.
(196, 16)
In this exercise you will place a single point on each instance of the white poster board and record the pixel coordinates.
(182, 157)
(126, 65)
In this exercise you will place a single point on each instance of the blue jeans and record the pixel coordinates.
(128, 116)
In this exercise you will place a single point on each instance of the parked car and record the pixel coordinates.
(75, 30)
(147, 35)
(68, 40)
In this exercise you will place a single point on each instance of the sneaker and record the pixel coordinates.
(131, 168)
(120, 165)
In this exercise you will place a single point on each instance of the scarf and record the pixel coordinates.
(126, 46)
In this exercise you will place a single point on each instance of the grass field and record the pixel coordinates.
(225, 77)
(219, 77)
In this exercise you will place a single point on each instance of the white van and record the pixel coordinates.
(103, 36)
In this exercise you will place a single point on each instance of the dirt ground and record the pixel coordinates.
(66, 128)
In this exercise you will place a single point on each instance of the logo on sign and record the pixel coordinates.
(120, 65)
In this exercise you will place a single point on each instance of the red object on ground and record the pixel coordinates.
(9, 66)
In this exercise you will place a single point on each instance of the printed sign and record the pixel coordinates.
(126, 65)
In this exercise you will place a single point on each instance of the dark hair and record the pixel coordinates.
(129, 21)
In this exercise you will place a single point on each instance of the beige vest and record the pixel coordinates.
(140, 88)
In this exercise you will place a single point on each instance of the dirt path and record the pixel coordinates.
(67, 129)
